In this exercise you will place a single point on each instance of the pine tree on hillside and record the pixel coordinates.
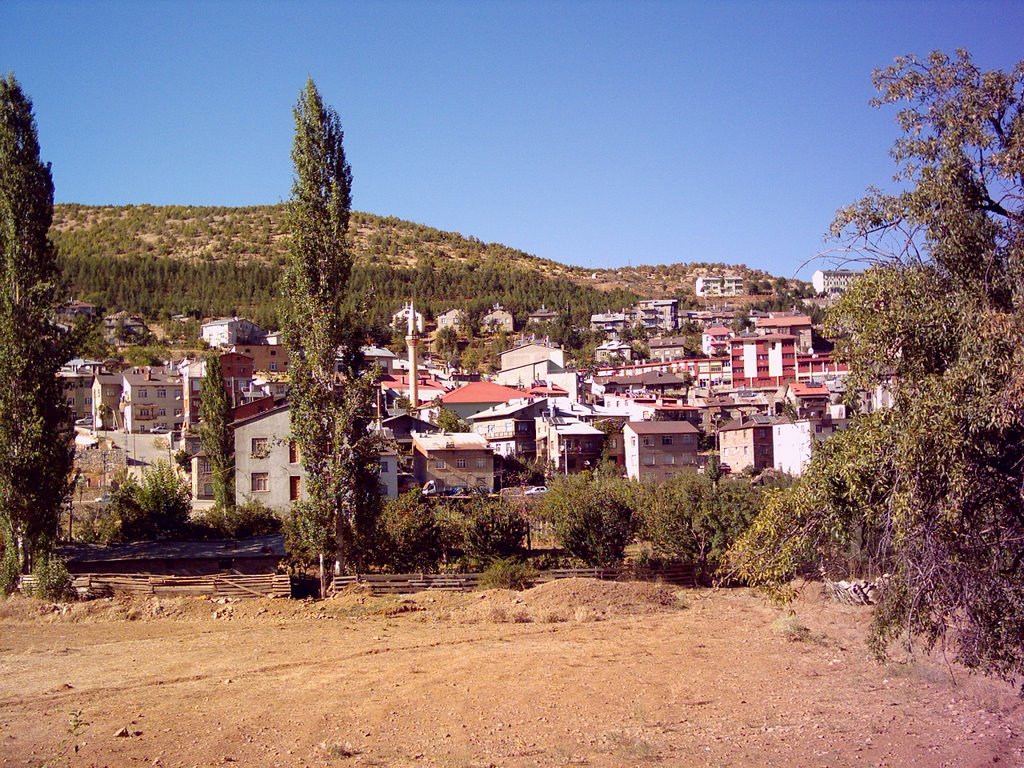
(330, 412)
(215, 432)
(36, 450)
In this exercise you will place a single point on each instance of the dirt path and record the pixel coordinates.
(439, 683)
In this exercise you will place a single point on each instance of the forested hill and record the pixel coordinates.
(160, 260)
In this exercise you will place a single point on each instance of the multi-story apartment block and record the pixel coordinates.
(658, 450)
(272, 358)
(613, 323)
(237, 371)
(832, 282)
(106, 400)
(715, 340)
(510, 429)
(719, 285)
(665, 348)
(793, 441)
(657, 314)
(763, 361)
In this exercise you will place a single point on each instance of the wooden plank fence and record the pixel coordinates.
(404, 583)
(212, 585)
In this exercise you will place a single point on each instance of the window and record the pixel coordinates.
(460, 463)
(383, 465)
(613, 443)
(293, 452)
(439, 464)
(177, 412)
(481, 463)
(260, 482)
(669, 459)
(648, 442)
(161, 394)
(666, 439)
(294, 487)
(260, 447)
(649, 460)
(143, 392)
(273, 366)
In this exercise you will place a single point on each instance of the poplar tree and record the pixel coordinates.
(330, 399)
(36, 432)
(215, 432)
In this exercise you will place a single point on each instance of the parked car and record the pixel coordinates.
(455, 490)
(156, 430)
(86, 422)
(536, 490)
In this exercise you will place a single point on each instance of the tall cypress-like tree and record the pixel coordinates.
(330, 399)
(36, 434)
(215, 432)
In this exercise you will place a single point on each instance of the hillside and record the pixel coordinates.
(213, 260)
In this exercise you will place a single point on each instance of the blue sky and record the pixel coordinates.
(593, 133)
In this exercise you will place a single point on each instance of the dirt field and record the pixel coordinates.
(574, 673)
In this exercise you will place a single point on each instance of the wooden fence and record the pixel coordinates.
(403, 583)
(212, 585)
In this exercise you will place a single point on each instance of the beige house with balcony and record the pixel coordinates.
(452, 460)
(656, 451)
(151, 400)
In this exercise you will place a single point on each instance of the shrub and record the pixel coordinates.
(508, 573)
(252, 518)
(493, 529)
(592, 515)
(52, 580)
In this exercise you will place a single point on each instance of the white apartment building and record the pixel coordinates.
(719, 285)
(832, 282)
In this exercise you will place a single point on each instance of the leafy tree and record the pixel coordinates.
(242, 521)
(930, 490)
(494, 529)
(449, 421)
(215, 432)
(36, 451)
(412, 535)
(330, 413)
(592, 515)
(158, 507)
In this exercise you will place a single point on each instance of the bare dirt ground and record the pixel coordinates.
(574, 673)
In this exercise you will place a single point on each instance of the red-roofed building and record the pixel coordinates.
(478, 396)
(811, 399)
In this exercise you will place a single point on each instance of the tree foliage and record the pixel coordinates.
(592, 516)
(36, 451)
(931, 490)
(157, 507)
(215, 432)
(330, 413)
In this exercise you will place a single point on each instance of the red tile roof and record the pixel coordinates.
(482, 392)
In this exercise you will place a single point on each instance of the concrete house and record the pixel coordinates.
(787, 323)
(106, 391)
(229, 331)
(719, 285)
(656, 451)
(832, 282)
(272, 358)
(453, 460)
(613, 323)
(498, 319)
(668, 348)
(237, 371)
(568, 445)
(510, 428)
(793, 441)
(268, 464)
(747, 442)
(657, 314)
(715, 340)
(151, 400)
(542, 315)
(478, 396)
(453, 318)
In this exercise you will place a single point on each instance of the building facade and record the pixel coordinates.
(656, 451)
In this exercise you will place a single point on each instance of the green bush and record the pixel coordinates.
(494, 530)
(52, 580)
(252, 518)
(508, 573)
(592, 515)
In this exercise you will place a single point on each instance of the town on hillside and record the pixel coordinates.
(667, 390)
